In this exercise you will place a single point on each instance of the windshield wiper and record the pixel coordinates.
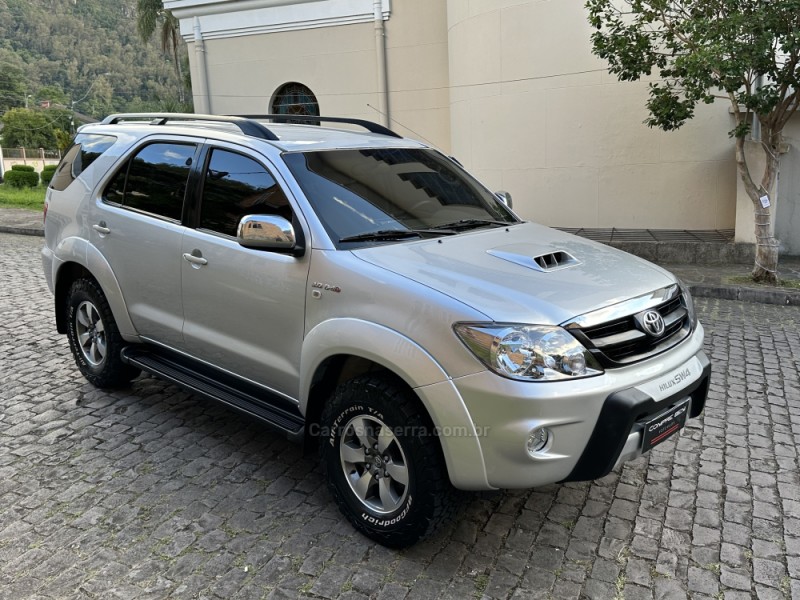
(393, 234)
(472, 223)
(381, 234)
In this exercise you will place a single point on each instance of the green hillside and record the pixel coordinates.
(59, 49)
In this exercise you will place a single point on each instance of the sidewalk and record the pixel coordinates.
(709, 281)
(21, 220)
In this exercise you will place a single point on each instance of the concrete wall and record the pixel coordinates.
(509, 87)
(36, 161)
(533, 112)
(339, 65)
(787, 211)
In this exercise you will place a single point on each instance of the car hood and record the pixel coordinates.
(493, 271)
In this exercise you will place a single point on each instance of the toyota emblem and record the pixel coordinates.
(653, 323)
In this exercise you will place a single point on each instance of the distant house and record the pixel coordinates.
(509, 88)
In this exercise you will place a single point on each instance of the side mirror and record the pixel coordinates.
(267, 232)
(505, 198)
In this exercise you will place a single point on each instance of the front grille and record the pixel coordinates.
(623, 340)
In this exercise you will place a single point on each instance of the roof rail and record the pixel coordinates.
(245, 125)
(314, 120)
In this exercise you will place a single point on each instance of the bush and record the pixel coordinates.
(20, 179)
(23, 168)
(47, 173)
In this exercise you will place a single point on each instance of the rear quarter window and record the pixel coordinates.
(85, 149)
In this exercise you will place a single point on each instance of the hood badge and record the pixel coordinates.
(651, 322)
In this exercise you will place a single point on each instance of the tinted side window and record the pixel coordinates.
(236, 186)
(156, 180)
(85, 149)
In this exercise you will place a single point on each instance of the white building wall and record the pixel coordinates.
(251, 52)
(509, 87)
(535, 113)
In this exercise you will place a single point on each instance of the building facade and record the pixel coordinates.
(508, 87)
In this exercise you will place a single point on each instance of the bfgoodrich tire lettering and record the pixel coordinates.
(93, 336)
(383, 464)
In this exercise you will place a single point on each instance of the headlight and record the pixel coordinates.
(528, 352)
(688, 303)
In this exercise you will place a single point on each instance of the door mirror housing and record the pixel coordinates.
(268, 232)
(505, 198)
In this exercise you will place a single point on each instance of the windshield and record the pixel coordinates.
(356, 193)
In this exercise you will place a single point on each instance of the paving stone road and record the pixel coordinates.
(153, 493)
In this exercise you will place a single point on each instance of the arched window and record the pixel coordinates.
(294, 99)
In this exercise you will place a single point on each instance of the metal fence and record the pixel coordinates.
(30, 153)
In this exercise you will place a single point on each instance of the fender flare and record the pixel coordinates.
(414, 365)
(81, 252)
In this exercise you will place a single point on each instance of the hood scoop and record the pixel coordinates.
(544, 263)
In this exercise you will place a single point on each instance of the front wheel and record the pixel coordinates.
(94, 338)
(383, 462)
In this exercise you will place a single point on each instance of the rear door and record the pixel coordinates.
(243, 309)
(137, 226)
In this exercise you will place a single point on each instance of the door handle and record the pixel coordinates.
(101, 228)
(195, 259)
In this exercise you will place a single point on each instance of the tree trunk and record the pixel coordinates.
(765, 269)
(178, 69)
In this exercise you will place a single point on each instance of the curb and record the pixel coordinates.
(746, 294)
(22, 230)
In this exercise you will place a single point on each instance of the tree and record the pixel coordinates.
(12, 87)
(743, 51)
(149, 14)
(52, 93)
(33, 128)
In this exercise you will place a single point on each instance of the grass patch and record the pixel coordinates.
(481, 582)
(713, 567)
(792, 284)
(32, 198)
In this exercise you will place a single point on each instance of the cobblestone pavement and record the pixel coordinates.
(153, 493)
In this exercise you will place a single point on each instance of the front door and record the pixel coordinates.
(243, 309)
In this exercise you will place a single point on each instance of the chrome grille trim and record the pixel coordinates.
(612, 335)
(627, 308)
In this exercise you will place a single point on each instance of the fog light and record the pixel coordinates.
(539, 440)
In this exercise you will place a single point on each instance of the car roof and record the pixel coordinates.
(284, 137)
(294, 138)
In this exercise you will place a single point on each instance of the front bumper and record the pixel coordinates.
(617, 436)
(595, 422)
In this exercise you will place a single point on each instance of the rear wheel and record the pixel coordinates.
(93, 336)
(383, 462)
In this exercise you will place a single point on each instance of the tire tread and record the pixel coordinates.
(431, 469)
(114, 372)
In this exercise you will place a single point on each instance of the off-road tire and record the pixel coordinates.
(108, 372)
(428, 499)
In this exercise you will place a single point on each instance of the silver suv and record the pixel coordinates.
(363, 293)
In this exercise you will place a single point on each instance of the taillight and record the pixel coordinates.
(44, 212)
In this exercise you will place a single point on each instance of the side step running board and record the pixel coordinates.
(222, 387)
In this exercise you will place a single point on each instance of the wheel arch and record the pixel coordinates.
(340, 349)
(88, 262)
(67, 274)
